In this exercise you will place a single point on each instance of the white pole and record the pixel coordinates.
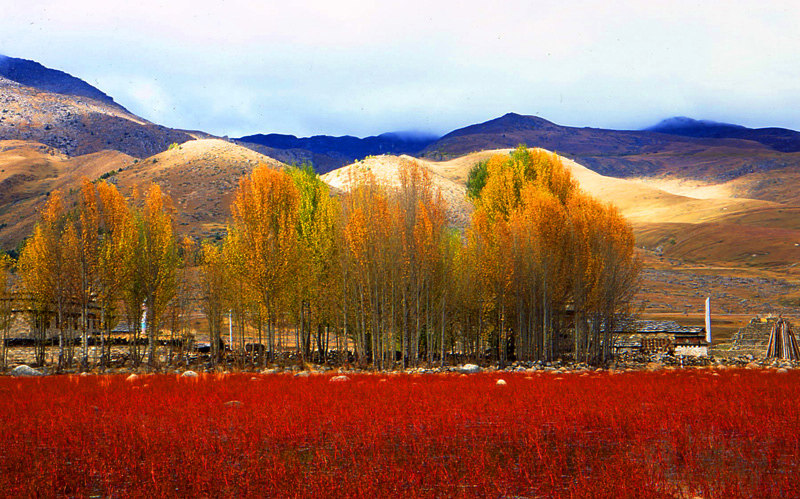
(230, 329)
(708, 321)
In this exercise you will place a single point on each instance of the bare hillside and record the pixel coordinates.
(386, 170)
(200, 176)
(694, 221)
(29, 171)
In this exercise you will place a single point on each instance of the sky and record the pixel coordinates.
(352, 67)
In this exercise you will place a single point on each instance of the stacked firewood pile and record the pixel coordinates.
(782, 342)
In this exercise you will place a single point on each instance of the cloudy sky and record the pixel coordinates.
(236, 67)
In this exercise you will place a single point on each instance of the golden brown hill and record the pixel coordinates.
(386, 170)
(704, 223)
(200, 175)
(30, 170)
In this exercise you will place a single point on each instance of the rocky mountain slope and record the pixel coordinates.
(32, 74)
(55, 128)
(50, 107)
(78, 125)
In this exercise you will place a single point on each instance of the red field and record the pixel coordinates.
(697, 433)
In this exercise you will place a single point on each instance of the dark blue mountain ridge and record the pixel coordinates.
(386, 143)
(779, 139)
(331, 152)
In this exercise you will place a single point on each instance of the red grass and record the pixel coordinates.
(662, 434)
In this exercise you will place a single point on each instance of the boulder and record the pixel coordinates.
(24, 370)
(501, 382)
(339, 379)
(132, 378)
(469, 369)
(189, 374)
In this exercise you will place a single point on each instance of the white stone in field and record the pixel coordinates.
(339, 379)
(189, 374)
(24, 370)
(303, 374)
(469, 368)
(501, 382)
(132, 378)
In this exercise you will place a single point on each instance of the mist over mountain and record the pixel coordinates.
(779, 139)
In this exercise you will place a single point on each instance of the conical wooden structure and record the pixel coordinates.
(782, 342)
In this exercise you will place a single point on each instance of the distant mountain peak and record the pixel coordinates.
(32, 74)
(779, 139)
(507, 123)
(523, 119)
(684, 122)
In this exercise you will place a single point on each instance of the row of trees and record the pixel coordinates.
(112, 258)
(375, 272)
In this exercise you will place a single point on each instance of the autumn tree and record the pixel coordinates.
(42, 266)
(214, 284)
(86, 258)
(318, 275)
(263, 229)
(115, 278)
(156, 261)
(6, 305)
(541, 246)
(367, 230)
(180, 306)
(394, 238)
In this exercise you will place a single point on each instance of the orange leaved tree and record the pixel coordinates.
(263, 229)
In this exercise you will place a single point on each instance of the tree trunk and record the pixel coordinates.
(60, 338)
(441, 339)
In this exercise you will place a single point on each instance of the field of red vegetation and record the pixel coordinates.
(728, 433)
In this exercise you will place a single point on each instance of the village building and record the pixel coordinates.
(651, 336)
